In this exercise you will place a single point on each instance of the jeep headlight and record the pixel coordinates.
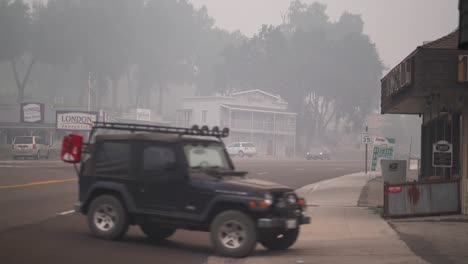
(268, 199)
(292, 199)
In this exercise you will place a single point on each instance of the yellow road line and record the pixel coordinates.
(35, 183)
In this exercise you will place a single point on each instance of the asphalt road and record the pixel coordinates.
(37, 224)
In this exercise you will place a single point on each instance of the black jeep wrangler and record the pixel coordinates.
(164, 178)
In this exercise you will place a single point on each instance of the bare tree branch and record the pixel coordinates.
(28, 72)
(15, 73)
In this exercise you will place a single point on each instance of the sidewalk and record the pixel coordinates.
(351, 234)
(340, 232)
(436, 239)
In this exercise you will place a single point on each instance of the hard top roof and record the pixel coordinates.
(153, 136)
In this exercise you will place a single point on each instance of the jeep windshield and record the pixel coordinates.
(207, 156)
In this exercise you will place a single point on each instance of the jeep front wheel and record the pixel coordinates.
(233, 234)
(155, 232)
(279, 240)
(107, 218)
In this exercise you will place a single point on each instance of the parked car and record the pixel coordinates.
(242, 149)
(169, 179)
(318, 153)
(29, 147)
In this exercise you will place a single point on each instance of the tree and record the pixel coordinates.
(105, 35)
(169, 35)
(326, 71)
(15, 29)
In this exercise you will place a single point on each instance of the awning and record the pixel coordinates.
(257, 109)
(10, 125)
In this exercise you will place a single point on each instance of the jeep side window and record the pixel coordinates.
(157, 158)
(113, 158)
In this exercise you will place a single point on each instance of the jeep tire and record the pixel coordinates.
(107, 218)
(241, 154)
(233, 234)
(154, 232)
(279, 240)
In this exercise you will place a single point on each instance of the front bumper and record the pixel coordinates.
(283, 222)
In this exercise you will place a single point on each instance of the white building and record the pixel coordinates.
(253, 116)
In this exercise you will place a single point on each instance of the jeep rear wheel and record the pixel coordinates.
(241, 153)
(154, 232)
(279, 240)
(233, 234)
(107, 218)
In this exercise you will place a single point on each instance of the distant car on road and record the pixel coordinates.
(29, 147)
(318, 153)
(242, 149)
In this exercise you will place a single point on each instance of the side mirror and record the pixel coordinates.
(72, 146)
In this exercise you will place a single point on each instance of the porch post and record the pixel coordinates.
(294, 136)
(251, 126)
(464, 161)
(274, 135)
(230, 118)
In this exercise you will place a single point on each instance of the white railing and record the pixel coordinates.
(260, 126)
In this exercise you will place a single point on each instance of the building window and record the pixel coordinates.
(204, 114)
(184, 118)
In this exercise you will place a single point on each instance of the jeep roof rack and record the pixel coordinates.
(194, 131)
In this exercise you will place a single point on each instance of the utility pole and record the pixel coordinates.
(89, 91)
(410, 146)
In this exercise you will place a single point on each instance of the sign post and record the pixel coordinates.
(365, 139)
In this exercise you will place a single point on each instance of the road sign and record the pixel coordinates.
(365, 138)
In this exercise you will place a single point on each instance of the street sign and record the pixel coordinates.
(383, 149)
(365, 138)
(442, 154)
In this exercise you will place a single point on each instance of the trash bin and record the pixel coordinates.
(394, 171)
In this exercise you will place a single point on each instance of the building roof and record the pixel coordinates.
(257, 91)
(449, 41)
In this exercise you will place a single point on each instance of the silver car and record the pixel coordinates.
(29, 147)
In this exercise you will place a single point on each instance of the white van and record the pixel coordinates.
(29, 146)
(242, 149)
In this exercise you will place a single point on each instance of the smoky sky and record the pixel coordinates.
(396, 26)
